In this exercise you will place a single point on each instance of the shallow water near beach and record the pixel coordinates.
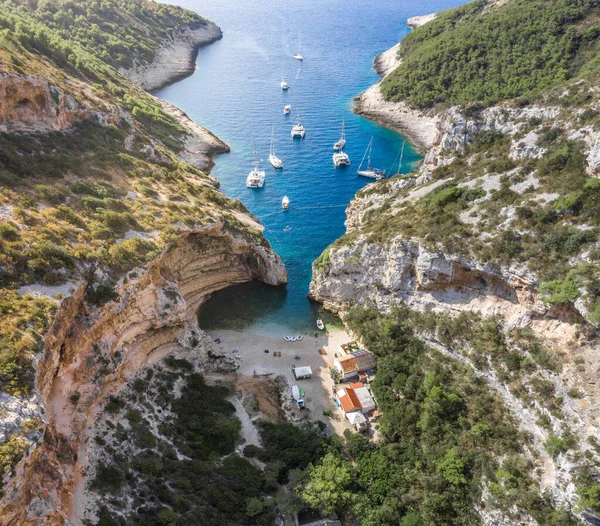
(235, 93)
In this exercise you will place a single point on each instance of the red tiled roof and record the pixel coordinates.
(350, 401)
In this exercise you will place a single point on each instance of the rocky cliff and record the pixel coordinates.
(472, 233)
(95, 352)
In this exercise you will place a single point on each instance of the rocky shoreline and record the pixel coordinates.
(419, 126)
(175, 59)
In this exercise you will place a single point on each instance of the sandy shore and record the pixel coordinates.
(318, 390)
(175, 59)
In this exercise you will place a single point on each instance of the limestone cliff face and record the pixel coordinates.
(30, 103)
(92, 353)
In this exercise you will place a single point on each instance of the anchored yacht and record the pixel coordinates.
(285, 202)
(298, 130)
(370, 172)
(342, 142)
(287, 109)
(341, 158)
(256, 178)
(275, 161)
(298, 56)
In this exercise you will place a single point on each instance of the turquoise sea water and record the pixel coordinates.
(235, 93)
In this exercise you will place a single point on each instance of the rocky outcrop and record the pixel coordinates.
(92, 353)
(418, 21)
(175, 59)
(419, 126)
(30, 103)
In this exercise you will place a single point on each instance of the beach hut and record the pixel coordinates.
(302, 373)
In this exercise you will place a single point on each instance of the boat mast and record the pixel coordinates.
(272, 152)
(370, 150)
(343, 132)
(401, 155)
(255, 156)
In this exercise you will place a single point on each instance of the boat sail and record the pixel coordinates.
(256, 178)
(342, 142)
(298, 56)
(275, 161)
(370, 172)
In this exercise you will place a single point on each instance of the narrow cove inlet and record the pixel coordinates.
(235, 92)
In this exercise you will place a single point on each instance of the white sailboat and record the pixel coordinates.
(370, 172)
(285, 202)
(287, 109)
(256, 178)
(284, 85)
(298, 130)
(342, 142)
(275, 161)
(298, 56)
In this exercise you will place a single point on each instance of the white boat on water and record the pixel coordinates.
(320, 324)
(298, 56)
(287, 109)
(256, 178)
(341, 158)
(298, 130)
(284, 85)
(285, 202)
(342, 142)
(370, 172)
(275, 161)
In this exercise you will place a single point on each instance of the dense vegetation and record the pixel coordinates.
(174, 457)
(482, 53)
(116, 31)
(445, 437)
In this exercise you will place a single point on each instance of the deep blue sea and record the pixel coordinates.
(235, 93)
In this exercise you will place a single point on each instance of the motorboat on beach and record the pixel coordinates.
(287, 109)
(342, 142)
(275, 161)
(320, 324)
(370, 172)
(341, 158)
(285, 202)
(256, 178)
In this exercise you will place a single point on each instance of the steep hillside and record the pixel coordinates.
(494, 243)
(112, 233)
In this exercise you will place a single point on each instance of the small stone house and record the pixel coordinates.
(354, 363)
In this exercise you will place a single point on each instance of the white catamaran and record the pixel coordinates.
(341, 158)
(370, 172)
(298, 130)
(342, 142)
(256, 178)
(275, 161)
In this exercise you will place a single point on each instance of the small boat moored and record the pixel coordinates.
(341, 159)
(297, 395)
(370, 172)
(320, 324)
(287, 109)
(298, 130)
(342, 142)
(256, 178)
(275, 161)
(285, 202)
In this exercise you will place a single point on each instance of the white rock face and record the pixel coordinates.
(174, 59)
(593, 158)
(418, 21)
